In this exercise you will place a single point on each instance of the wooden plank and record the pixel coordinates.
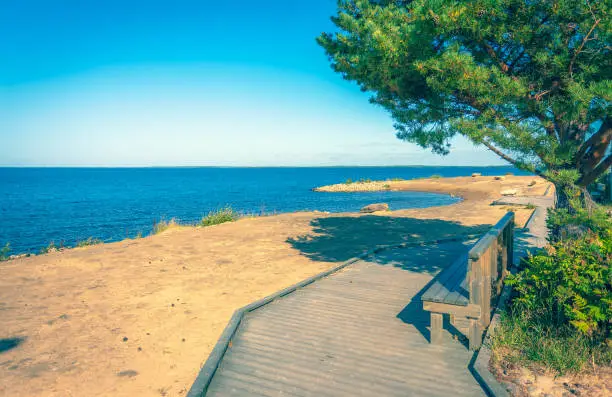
(481, 245)
(475, 334)
(436, 327)
(439, 289)
(472, 311)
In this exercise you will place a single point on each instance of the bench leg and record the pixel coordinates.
(436, 327)
(475, 334)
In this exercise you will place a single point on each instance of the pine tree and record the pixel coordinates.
(528, 79)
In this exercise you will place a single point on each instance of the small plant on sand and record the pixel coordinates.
(222, 215)
(397, 179)
(530, 206)
(386, 186)
(49, 248)
(164, 225)
(436, 176)
(348, 181)
(4, 252)
(88, 242)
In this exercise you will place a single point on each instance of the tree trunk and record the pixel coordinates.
(572, 199)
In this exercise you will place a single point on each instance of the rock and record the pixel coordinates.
(475, 174)
(375, 207)
(573, 231)
(509, 192)
(499, 178)
(532, 183)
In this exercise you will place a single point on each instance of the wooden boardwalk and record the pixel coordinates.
(358, 332)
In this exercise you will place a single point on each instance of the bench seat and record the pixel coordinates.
(450, 286)
(468, 288)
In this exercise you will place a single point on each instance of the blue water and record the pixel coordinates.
(66, 205)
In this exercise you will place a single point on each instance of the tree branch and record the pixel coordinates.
(493, 55)
(589, 178)
(604, 133)
(500, 153)
(586, 38)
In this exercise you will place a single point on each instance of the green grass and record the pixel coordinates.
(530, 206)
(436, 176)
(164, 225)
(348, 181)
(217, 217)
(49, 248)
(88, 242)
(530, 341)
(396, 179)
(4, 252)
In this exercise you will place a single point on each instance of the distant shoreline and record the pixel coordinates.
(239, 166)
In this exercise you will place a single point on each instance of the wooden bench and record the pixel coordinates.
(468, 289)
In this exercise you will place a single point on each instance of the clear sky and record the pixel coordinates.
(186, 82)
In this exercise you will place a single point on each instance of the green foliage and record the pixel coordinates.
(397, 179)
(164, 225)
(531, 81)
(223, 215)
(570, 283)
(348, 181)
(49, 248)
(436, 176)
(596, 220)
(88, 242)
(524, 339)
(4, 252)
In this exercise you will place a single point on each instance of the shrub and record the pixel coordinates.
(164, 225)
(49, 248)
(436, 176)
(4, 252)
(88, 242)
(223, 215)
(397, 179)
(348, 181)
(597, 220)
(570, 283)
(522, 338)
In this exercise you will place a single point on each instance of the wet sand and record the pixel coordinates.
(139, 317)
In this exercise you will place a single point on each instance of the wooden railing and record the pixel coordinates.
(488, 264)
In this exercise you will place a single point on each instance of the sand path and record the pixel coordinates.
(139, 317)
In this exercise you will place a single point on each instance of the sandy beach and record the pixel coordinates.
(139, 317)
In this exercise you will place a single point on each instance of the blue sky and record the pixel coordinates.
(160, 83)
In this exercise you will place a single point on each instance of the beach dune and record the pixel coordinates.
(139, 317)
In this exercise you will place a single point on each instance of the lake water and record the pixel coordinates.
(66, 205)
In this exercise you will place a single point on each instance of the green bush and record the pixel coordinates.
(570, 283)
(49, 248)
(523, 338)
(164, 225)
(88, 242)
(223, 215)
(4, 252)
(348, 181)
(596, 220)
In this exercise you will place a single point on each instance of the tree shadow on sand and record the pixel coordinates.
(337, 239)
(10, 343)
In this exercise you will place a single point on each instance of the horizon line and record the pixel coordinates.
(255, 166)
